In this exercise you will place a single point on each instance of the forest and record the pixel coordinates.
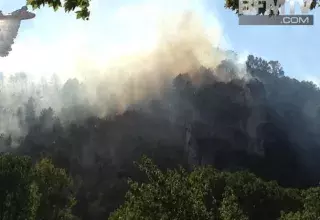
(245, 148)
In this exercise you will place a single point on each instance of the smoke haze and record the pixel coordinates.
(136, 59)
(109, 76)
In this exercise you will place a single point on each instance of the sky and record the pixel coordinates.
(56, 42)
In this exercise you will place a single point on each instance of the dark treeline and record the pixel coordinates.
(266, 123)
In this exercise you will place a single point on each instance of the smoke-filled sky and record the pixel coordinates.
(55, 42)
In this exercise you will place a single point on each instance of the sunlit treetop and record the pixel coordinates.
(81, 7)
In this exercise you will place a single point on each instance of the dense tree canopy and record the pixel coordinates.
(19, 197)
(42, 192)
(34, 192)
(56, 188)
(206, 193)
(252, 129)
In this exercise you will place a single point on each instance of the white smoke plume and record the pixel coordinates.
(8, 32)
(9, 26)
(112, 75)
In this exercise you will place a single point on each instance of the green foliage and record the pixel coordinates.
(19, 197)
(34, 192)
(169, 195)
(81, 7)
(257, 198)
(230, 208)
(232, 4)
(206, 193)
(311, 206)
(57, 198)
